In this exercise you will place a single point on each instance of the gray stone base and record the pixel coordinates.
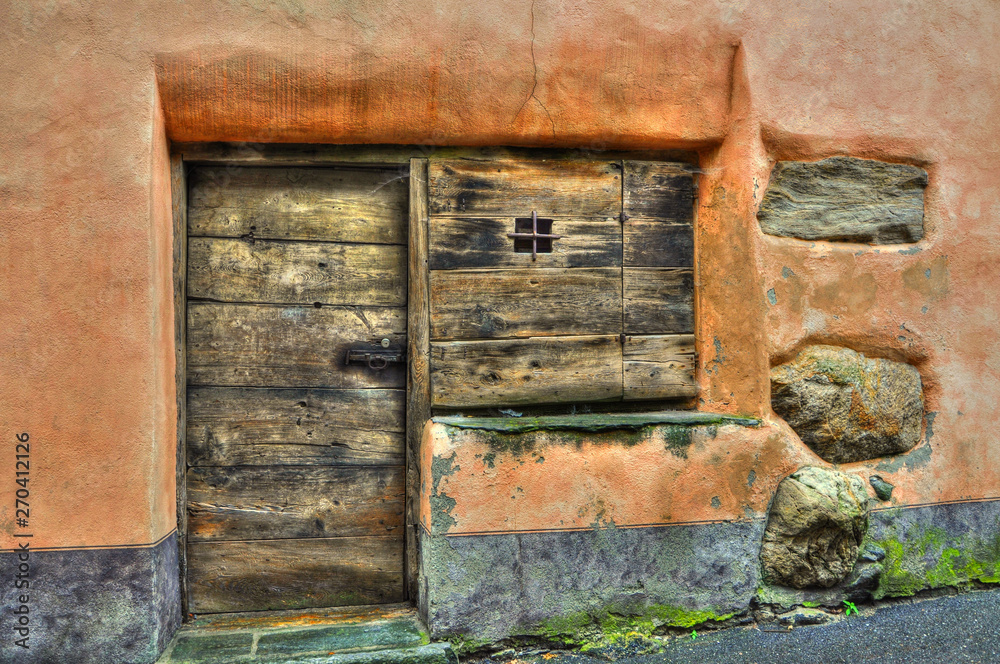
(488, 587)
(936, 546)
(494, 586)
(118, 605)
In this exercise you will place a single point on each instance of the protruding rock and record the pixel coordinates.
(802, 616)
(817, 521)
(847, 407)
(882, 488)
(845, 199)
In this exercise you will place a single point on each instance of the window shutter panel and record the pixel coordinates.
(658, 281)
(510, 328)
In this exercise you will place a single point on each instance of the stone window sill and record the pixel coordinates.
(594, 421)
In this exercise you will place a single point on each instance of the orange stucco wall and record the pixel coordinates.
(92, 92)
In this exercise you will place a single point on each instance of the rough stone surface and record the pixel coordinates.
(553, 583)
(847, 407)
(882, 488)
(818, 520)
(103, 605)
(804, 616)
(845, 199)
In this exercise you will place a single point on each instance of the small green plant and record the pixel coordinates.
(848, 607)
(694, 634)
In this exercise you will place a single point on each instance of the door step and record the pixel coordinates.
(361, 635)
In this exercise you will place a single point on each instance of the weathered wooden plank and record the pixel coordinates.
(658, 190)
(845, 199)
(418, 379)
(527, 302)
(652, 243)
(289, 346)
(335, 204)
(294, 573)
(249, 426)
(467, 242)
(313, 154)
(228, 270)
(658, 300)
(500, 187)
(526, 371)
(659, 367)
(178, 195)
(284, 502)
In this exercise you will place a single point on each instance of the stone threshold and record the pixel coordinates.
(595, 421)
(390, 634)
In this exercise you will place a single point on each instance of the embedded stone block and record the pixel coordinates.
(843, 199)
(847, 407)
(817, 522)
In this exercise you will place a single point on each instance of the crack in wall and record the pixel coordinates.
(534, 82)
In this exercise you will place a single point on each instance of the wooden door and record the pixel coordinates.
(295, 459)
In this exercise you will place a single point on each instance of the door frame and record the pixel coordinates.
(418, 388)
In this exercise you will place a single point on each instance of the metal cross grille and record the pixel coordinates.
(534, 235)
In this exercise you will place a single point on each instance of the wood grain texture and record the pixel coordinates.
(228, 270)
(315, 154)
(289, 346)
(283, 502)
(526, 371)
(844, 199)
(658, 190)
(294, 573)
(658, 300)
(418, 379)
(658, 367)
(178, 195)
(479, 242)
(529, 302)
(654, 243)
(515, 187)
(336, 204)
(247, 426)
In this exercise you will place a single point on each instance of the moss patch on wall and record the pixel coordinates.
(927, 557)
(592, 630)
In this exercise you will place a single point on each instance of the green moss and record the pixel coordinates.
(842, 372)
(811, 605)
(928, 558)
(463, 645)
(677, 439)
(587, 631)
(566, 628)
(677, 617)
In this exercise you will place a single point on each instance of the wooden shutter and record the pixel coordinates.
(507, 328)
(658, 281)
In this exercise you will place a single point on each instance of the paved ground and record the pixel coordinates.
(945, 630)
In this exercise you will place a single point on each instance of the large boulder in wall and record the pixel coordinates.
(816, 524)
(847, 407)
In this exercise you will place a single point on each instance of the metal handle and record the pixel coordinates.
(376, 358)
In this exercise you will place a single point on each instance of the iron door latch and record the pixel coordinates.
(376, 358)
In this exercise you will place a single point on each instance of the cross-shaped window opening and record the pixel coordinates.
(533, 236)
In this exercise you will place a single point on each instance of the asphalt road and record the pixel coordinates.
(944, 630)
